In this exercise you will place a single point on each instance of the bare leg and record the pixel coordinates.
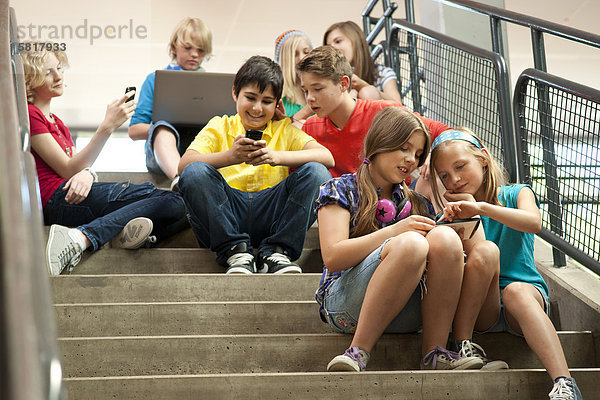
(525, 313)
(392, 284)
(444, 277)
(165, 150)
(480, 294)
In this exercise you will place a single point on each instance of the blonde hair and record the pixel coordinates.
(194, 31)
(33, 65)
(287, 61)
(494, 175)
(391, 128)
(364, 66)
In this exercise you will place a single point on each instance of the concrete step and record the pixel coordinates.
(219, 354)
(398, 385)
(169, 261)
(161, 319)
(73, 289)
(186, 239)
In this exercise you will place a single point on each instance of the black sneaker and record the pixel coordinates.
(279, 263)
(239, 260)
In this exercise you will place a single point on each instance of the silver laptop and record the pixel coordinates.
(191, 98)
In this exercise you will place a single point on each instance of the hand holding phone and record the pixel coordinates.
(130, 89)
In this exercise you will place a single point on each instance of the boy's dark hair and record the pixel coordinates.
(326, 62)
(261, 71)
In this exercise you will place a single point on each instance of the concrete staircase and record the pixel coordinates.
(166, 323)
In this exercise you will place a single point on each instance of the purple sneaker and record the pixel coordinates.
(442, 359)
(353, 359)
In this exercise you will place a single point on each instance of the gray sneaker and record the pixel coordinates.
(442, 359)
(565, 389)
(61, 250)
(466, 348)
(353, 359)
(240, 260)
(134, 235)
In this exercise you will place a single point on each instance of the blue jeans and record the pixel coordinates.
(109, 206)
(184, 135)
(344, 297)
(222, 216)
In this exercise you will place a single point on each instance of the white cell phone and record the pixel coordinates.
(470, 225)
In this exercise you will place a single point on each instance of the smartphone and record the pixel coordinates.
(129, 89)
(470, 226)
(254, 134)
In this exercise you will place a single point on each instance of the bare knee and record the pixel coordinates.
(518, 295)
(408, 250)
(484, 257)
(163, 133)
(444, 242)
(369, 92)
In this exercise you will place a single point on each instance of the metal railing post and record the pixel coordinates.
(548, 142)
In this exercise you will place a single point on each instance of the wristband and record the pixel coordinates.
(91, 171)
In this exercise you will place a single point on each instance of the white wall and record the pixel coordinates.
(241, 28)
(102, 68)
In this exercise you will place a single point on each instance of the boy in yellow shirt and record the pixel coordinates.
(239, 191)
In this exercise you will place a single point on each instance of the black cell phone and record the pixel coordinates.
(129, 89)
(254, 134)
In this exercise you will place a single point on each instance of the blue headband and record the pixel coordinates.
(455, 135)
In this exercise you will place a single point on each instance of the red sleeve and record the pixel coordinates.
(37, 121)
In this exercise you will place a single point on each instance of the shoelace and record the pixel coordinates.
(354, 353)
(470, 349)
(240, 258)
(278, 258)
(432, 356)
(561, 390)
(69, 257)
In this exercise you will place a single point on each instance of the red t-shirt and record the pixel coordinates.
(346, 144)
(48, 179)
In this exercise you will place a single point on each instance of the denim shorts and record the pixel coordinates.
(344, 297)
(502, 325)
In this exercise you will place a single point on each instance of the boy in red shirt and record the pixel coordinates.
(340, 122)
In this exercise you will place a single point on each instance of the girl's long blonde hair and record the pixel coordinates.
(494, 175)
(391, 128)
(287, 61)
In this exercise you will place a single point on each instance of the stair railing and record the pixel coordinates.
(29, 366)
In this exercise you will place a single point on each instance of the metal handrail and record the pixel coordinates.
(31, 367)
(538, 27)
(504, 103)
(554, 235)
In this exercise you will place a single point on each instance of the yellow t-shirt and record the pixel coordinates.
(218, 136)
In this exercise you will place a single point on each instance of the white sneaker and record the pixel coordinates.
(62, 250)
(134, 235)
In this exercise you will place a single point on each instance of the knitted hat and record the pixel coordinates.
(285, 36)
